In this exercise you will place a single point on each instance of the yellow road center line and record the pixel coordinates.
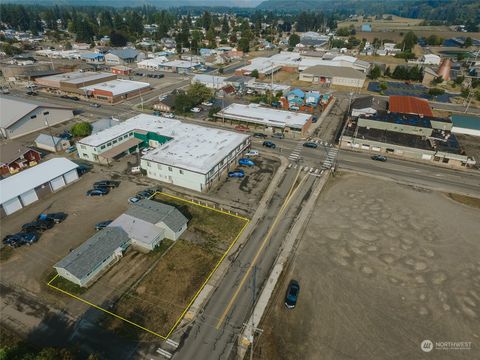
(259, 251)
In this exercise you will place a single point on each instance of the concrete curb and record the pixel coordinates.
(221, 270)
(245, 338)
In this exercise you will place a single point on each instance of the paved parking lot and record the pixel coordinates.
(381, 267)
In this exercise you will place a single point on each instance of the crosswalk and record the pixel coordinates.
(295, 155)
(330, 160)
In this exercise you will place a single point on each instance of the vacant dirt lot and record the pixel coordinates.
(382, 267)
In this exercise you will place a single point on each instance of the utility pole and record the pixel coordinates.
(50, 130)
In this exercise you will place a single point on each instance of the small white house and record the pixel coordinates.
(430, 59)
(51, 143)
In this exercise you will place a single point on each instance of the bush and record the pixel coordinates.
(436, 91)
(81, 129)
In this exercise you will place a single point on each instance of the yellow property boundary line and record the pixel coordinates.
(165, 337)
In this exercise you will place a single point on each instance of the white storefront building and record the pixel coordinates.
(186, 155)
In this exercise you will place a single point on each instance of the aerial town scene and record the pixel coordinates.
(240, 179)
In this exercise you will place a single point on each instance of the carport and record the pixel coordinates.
(117, 151)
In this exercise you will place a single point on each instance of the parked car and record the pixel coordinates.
(260, 135)
(56, 217)
(83, 169)
(157, 113)
(71, 149)
(195, 110)
(292, 294)
(5, 91)
(252, 153)
(310, 144)
(28, 238)
(278, 135)
(95, 105)
(207, 103)
(111, 184)
(169, 115)
(145, 194)
(32, 93)
(276, 104)
(98, 192)
(133, 200)
(65, 97)
(246, 162)
(12, 240)
(102, 225)
(38, 225)
(74, 98)
(236, 173)
(66, 135)
(145, 151)
(269, 144)
(379, 158)
(314, 119)
(241, 128)
(136, 170)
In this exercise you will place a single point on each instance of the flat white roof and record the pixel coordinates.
(268, 86)
(153, 62)
(117, 87)
(255, 113)
(210, 79)
(77, 77)
(181, 64)
(193, 147)
(29, 179)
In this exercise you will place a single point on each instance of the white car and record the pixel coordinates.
(168, 115)
(136, 170)
(195, 110)
(207, 103)
(133, 200)
(252, 153)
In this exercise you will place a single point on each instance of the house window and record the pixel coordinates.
(33, 116)
(83, 147)
(114, 141)
(102, 147)
(170, 168)
(148, 164)
(46, 113)
(181, 172)
(131, 133)
(109, 144)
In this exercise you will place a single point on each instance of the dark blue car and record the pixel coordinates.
(292, 294)
(269, 144)
(236, 173)
(98, 192)
(246, 162)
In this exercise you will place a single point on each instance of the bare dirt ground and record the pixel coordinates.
(382, 267)
(471, 145)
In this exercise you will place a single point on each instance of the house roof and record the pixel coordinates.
(47, 140)
(154, 212)
(335, 71)
(118, 87)
(138, 229)
(169, 100)
(84, 259)
(365, 102)
(297, 92)
(28, 179)
(14, 108)
(409, 105)
(466, 121)
(127, 53)
(11, 151)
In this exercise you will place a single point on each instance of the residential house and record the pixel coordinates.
(15, 157)
(51, 143)
(123, 56)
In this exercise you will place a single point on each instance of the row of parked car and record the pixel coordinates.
(154, 76)
(31, 231)
(103, 187)
(144, 194)
(245, 161)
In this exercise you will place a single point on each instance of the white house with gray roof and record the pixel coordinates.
(148, 222)
(144, 225)
(84, 263)
(20, 117)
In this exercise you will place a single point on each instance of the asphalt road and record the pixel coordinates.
(214, 332)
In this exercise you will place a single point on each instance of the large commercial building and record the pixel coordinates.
(28, 186)
(406, 135)
(186, 155)
(273, 120)
(333, 75)
(73, 81)
(144, 225)
(114, 91)
(21, 117)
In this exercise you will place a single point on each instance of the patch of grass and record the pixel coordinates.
(466, 200)
(160, 249)
(5, 253)
(68, 286)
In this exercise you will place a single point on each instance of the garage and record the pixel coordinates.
(71, 176)
(29, 197)
(12, 205)
(57, 183)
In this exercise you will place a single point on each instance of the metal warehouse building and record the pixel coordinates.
(73, 81)
(186, 155)
(116, 90)
(21, 117)
(26, 187)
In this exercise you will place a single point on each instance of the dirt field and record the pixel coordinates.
(158, 300)
(382, 267)
(471, 145)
